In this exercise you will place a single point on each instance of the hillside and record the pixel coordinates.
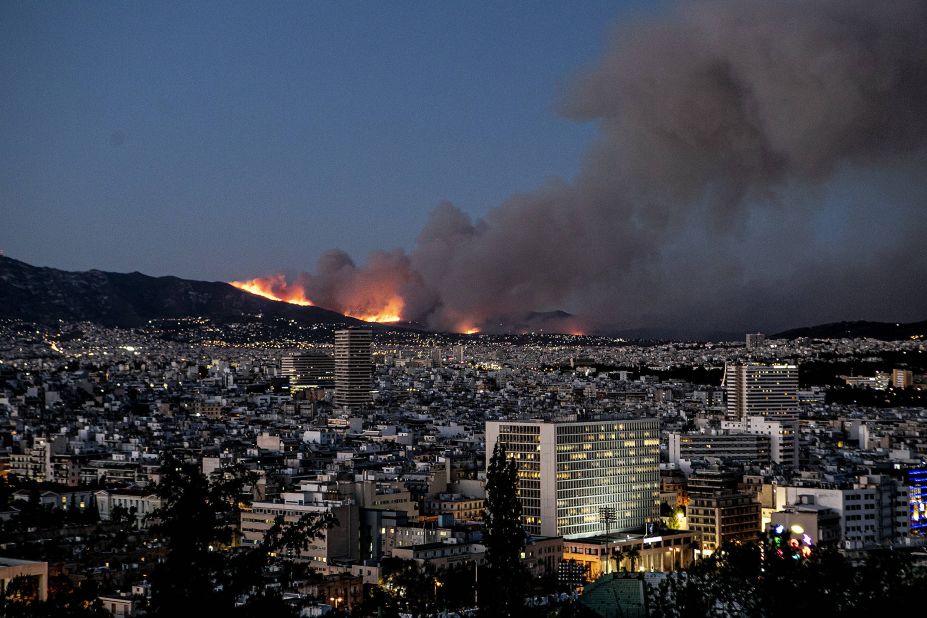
(130, 299)
(887, 331)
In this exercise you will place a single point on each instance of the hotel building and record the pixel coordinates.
(583, 478)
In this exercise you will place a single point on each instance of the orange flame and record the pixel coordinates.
(274, 287)
(390, 312)
(471, 330)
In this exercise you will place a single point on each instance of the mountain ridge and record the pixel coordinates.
(42, 294)
(888, 331)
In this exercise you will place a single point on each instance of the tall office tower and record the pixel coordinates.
(308, 370)
(353, 368)
(761, 389)
(902, 378)
(573, 476)
(755, 340)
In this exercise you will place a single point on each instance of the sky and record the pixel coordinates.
(218, 140)
(687, 166)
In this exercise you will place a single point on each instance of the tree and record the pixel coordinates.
(201, 574)
(618, 555)
(633, 553)
(18, 600)
(755, 580)
(406, 588)
(454, 587)
(503, 580)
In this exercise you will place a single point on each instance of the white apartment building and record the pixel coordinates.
(761, 389)
(340, 542)
(781, 430)
(874, 511)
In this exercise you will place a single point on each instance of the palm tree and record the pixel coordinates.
(618, 555)
(633, 553)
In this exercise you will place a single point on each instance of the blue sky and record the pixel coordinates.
(220, 140)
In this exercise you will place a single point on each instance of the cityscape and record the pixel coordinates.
(686, 376)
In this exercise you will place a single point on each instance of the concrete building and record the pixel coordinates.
(670, 551)
(719, 512)
(309, 370)
(139, 502)
(33, 461)
(917, 490)
(760, 389)
(873, 511)
(732, 447)
(462, 508)
(782, 432)
(353, 368)
(35, 575)
(118, 607)
(569, 473)
(442, 555)
(902, 378)
(341, 591)
(820, 523)
(339, 542)
(755, 340)
(79, 499)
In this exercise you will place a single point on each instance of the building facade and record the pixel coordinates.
(761, 389)
(309, 370)
(353, 368)
(874, 511)
(782, 432)
(733, 447)
(583, 478)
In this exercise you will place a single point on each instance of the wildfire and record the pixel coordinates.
(390, 312)
(471, 331)
(274, 287)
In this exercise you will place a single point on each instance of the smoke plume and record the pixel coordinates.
(759, 165)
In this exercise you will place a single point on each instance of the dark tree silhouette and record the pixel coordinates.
(201, 574)
(503, 580)
(755, 580)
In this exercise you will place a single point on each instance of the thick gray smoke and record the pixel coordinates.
(760, 164)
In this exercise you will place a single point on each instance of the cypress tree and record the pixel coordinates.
(503, 580)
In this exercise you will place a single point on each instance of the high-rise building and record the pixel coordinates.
(574, 478)
(353, 368)
(761, 389)
(309, 370)
(755, 340)
(902, 378)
